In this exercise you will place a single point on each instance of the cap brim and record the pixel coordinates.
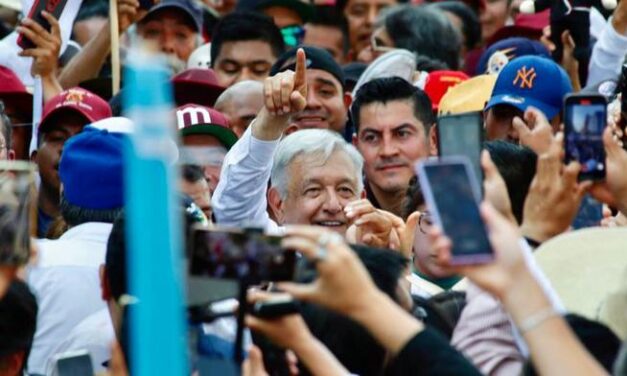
(224, 135)
(44, 125)
(191, 92)
(22, 101)
(522, 104)
(162, 5)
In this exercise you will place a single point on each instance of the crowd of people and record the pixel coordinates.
(304, 120)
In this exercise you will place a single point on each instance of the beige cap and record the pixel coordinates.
(468, 96)
(586, 268)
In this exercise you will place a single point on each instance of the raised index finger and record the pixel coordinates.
(300, 76)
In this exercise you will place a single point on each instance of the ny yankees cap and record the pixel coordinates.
(531, 81)
(196, 119)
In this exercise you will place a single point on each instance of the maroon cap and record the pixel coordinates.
(13, 93)
(77, 100)
(196, 119)
(196, 85)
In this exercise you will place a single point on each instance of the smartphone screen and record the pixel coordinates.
(239, 255)
(586, 118)
(462, 135)
(78, 364)
(450, 196)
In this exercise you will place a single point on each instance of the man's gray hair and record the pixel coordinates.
(319, 142)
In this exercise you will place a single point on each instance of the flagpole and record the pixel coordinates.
(115, 47)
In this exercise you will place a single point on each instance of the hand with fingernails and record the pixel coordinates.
(284, 94)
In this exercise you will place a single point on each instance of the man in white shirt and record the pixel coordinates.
(65, 279)
(314, 172)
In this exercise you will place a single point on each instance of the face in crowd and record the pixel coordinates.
(390, 138)
(327, 104)
(361, 16)
(63, 125)
(173, 31)
(316, 190)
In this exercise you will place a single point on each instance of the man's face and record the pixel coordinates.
(390, 139)
(327, 37)
(63, 126)
(492, 17)
(498, 123)
(326, 106)
(361, 15)
(243, 60)
(212, 169)
(318, 192)
(172, 31)
(200, 193)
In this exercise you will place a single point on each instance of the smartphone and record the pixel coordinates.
(462, 134)
(240, 255)
(76, 363)
(275, 308)
(451, 194)
(54, 7)
(584, 122)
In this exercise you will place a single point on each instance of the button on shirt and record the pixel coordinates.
(67, 286)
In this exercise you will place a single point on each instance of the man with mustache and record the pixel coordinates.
(393, 129)
(327, 99)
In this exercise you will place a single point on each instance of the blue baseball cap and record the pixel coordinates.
(531, 81)
(91, 169)
(494, 59)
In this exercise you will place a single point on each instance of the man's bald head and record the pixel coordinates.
(241, 103)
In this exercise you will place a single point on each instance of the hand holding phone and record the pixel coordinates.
(584, 123)
(452, 196)
(54, 9)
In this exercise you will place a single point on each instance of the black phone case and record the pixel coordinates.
(54, 7)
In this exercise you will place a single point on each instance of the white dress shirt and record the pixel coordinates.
(94, 334)
(66, 283)
(607, 57)
(240, 198)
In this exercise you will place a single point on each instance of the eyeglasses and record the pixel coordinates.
(293, 35)
(425, 222)
(376, 46)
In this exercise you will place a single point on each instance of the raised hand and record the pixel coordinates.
(284, 94)
(554, 195)
(534, 130)
(45, 54)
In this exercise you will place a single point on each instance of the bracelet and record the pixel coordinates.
(537, 319)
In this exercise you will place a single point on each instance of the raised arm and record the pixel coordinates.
(240, 197)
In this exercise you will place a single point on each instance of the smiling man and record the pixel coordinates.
(393, 122)
(327, 100)
(65, 115)
(313, 173)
